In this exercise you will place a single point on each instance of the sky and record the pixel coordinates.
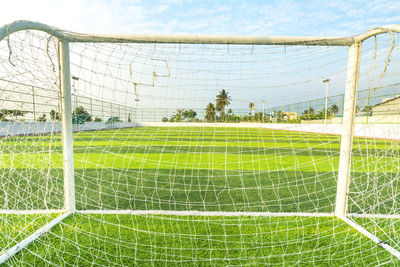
(241, 17)
(245, 17)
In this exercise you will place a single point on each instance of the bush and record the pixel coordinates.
(112, 120)
(42, 118)
(80, 116)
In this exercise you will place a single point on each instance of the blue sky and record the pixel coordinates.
(287, 17)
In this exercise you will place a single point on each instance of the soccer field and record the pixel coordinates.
(239, 172)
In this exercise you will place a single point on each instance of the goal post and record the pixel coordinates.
(66, 130)
(346, 144)
(199, 149)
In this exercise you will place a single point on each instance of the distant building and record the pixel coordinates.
(389, 106)
(289, 116)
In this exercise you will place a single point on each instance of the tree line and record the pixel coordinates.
(79, 116)
(216, 112)
(311, 114)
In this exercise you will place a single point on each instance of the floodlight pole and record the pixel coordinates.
(66, 131)
(326, 81)
(353, 67)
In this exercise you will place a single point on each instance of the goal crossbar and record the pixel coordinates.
(194, 39)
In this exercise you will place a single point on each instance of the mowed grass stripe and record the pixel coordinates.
(178, 160)
(228, 169)
(321, 162)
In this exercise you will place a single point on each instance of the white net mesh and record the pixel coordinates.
(168, 172)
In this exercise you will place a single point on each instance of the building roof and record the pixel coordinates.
(387, 100)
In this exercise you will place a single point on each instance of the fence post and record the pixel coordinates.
(68, 158)
(350, 99)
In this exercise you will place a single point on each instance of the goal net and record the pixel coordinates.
(204, 150)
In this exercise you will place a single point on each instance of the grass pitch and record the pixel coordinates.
(196, 169)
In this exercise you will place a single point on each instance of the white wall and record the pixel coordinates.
(385, 131)
(378, 119)
(29, 128)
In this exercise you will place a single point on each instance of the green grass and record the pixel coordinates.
(184, 240)
(20, 227)
(206, 169)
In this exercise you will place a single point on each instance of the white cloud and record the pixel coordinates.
(214, 17)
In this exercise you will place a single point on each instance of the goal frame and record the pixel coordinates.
(66, 37)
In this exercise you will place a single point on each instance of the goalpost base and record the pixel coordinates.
(24, 243)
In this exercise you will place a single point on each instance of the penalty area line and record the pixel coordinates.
(205, 213)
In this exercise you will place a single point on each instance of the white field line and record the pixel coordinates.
(205, 213)
(27, 212)
(201, 213)
(24, 243)
(379, 216)
(379, 242)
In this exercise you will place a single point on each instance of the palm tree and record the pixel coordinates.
(223, 99)
(210, 112)
(251, 107)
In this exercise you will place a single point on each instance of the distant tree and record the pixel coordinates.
(42, 118)
(258, 116)
(11, 112)
(309, 111)
(223, 99)
(129, 117)
(97, 119)
(251, 107)
(368, 110)
(16, 113)
(210, 112)
(80, 116)
(230, 115)
(236, 118)
(333, 110)
(280, 116)
(246, 118)
(112, 120)
(189, 114)
(164, 119)
(179, 115)
(54, 115)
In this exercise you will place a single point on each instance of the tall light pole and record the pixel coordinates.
(326, 81)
